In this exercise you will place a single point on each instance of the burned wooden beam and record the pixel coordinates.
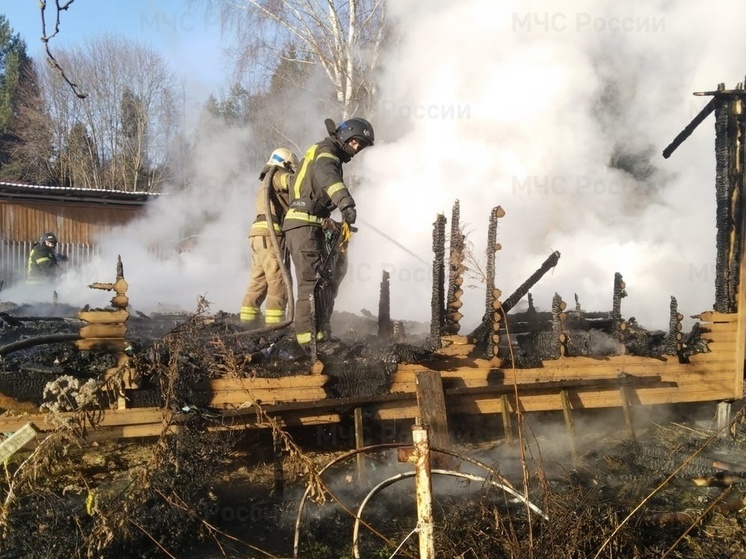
(492, 247)
(532, 280)
(437, 309)
(673, 342)
(455, 274)
(385, 326)
(616, 306)
(687, 131)
(558, 329)
(485, 326)
(729, 123)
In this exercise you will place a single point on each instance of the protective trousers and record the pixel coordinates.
(265, 282)
(308, 252)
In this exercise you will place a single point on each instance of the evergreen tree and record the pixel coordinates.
(19, 92)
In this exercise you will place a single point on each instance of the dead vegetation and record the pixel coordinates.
(204, 491)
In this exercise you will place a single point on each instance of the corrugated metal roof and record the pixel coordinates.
(18, 191)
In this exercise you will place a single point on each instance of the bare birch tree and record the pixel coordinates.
(343, 37)
(129, 115)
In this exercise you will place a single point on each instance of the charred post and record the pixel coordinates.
(455, 274)
(492, 247)
(559, 343)
(616, 307)
(728, 197)
(524, 288)
(385, 327)
(498, 315)
(106, 331)
(673, 341)
(438, 295)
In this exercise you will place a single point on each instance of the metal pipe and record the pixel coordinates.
(385, 483)
(385, 446)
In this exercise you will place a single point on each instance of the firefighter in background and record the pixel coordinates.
(266, 281)
(44, 261)
(317, 190)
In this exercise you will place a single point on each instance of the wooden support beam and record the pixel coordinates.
(432, 404)
(723, 419)
(277, 454)
(360, 443)
(627, 407)
(507, 419)
(569, 424)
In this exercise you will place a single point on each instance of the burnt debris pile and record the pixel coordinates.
(525, 339)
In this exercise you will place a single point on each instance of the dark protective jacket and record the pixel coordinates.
(318, 188)
(278, 204)
(42, 264)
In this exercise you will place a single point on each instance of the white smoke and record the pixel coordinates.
(558, 115)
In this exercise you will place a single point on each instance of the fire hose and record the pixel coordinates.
(267, 185)
(38, 340)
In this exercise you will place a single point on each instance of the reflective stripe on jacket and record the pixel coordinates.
(41, 265)
(318, 187)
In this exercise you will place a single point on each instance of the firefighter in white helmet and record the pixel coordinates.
(266, 281)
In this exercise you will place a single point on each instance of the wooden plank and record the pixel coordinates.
(286, 420)
(265, 396)
(740, 341)
(360, 443)
(103, 317)
(713, 316)
(432, 404)
(626, 397)
(718, 326)
(98, 330)
(507, 418)
(254, 383)
(569, 424)
(720, 336)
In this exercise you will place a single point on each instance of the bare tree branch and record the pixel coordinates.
(46, 38)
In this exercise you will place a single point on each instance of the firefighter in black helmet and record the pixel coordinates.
(317, 190)
(43, 260)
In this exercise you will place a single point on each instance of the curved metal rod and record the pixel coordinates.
(39, 340)
(267, 183)
(390, 481)
(344, 456)
(382, 446)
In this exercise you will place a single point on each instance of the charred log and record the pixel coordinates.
(558, 306)
(674, 329)
(455, 274)
(480, 333)
(492, 248)
(616, 307)
(385, 327)
(436, 305)
(533, 279)
(728, 197)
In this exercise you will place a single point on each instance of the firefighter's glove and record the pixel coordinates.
(329, 225)
(349, 214)
(344, 236)
(62, 257)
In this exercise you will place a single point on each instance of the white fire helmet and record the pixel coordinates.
(283, 157)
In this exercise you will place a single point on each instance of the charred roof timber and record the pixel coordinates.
(728, 106)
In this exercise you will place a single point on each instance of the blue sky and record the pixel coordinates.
(187, 39)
